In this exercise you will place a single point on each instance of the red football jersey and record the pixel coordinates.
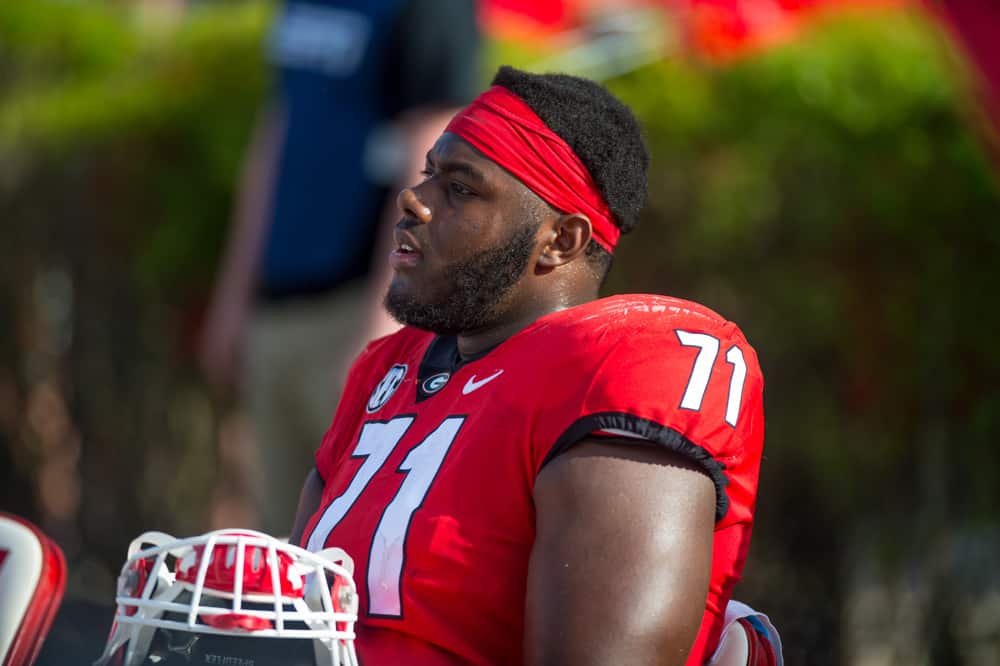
(430, 463)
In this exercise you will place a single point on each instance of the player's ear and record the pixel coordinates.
(568, 238)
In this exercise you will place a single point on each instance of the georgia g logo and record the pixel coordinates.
(386, 388)
(435, 383)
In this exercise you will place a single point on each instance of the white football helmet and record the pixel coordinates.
(211, 598)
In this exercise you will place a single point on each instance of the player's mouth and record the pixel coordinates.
(406, 253)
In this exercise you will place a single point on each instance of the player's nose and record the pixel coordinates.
(411, 206)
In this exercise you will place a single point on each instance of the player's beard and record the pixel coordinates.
(475, 294)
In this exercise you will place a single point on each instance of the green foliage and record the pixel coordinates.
(45, 41)
(158, 109)
(831, 197)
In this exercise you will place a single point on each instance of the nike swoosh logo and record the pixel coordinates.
(472, 384)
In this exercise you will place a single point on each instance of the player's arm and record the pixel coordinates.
(309, 500)
(620, 569)
(221, 340)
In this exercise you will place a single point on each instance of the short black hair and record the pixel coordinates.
(603, 133)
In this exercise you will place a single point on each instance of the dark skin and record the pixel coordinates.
(620, 567)
(472, 201)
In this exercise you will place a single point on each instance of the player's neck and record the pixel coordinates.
(472, 343)
(475, 343)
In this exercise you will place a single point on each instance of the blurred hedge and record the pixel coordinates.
(832, 196)
(159, 106)
(121, 136)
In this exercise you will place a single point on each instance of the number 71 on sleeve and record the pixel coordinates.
(701, 372)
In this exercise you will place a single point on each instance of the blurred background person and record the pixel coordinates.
(363, 90)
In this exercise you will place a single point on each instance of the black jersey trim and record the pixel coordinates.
(441, 358)
(651, 433)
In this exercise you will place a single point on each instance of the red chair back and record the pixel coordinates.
(749, 639)
(32, 581)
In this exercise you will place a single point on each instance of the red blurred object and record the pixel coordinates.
(724, 29)
(527, 20)
(975, 25)
(715, 29)
(32, 582)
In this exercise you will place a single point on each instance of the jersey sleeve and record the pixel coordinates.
(695, 390)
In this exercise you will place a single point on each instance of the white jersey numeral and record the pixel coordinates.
(388, 549)
(708, 349)
(734, 357)
(385, 564)
(376, 442)
(708, 352)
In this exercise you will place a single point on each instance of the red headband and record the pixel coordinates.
(507, 131)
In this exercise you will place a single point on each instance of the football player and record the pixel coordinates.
(526, 473)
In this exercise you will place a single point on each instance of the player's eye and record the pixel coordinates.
(426, 173)
(461, 190)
